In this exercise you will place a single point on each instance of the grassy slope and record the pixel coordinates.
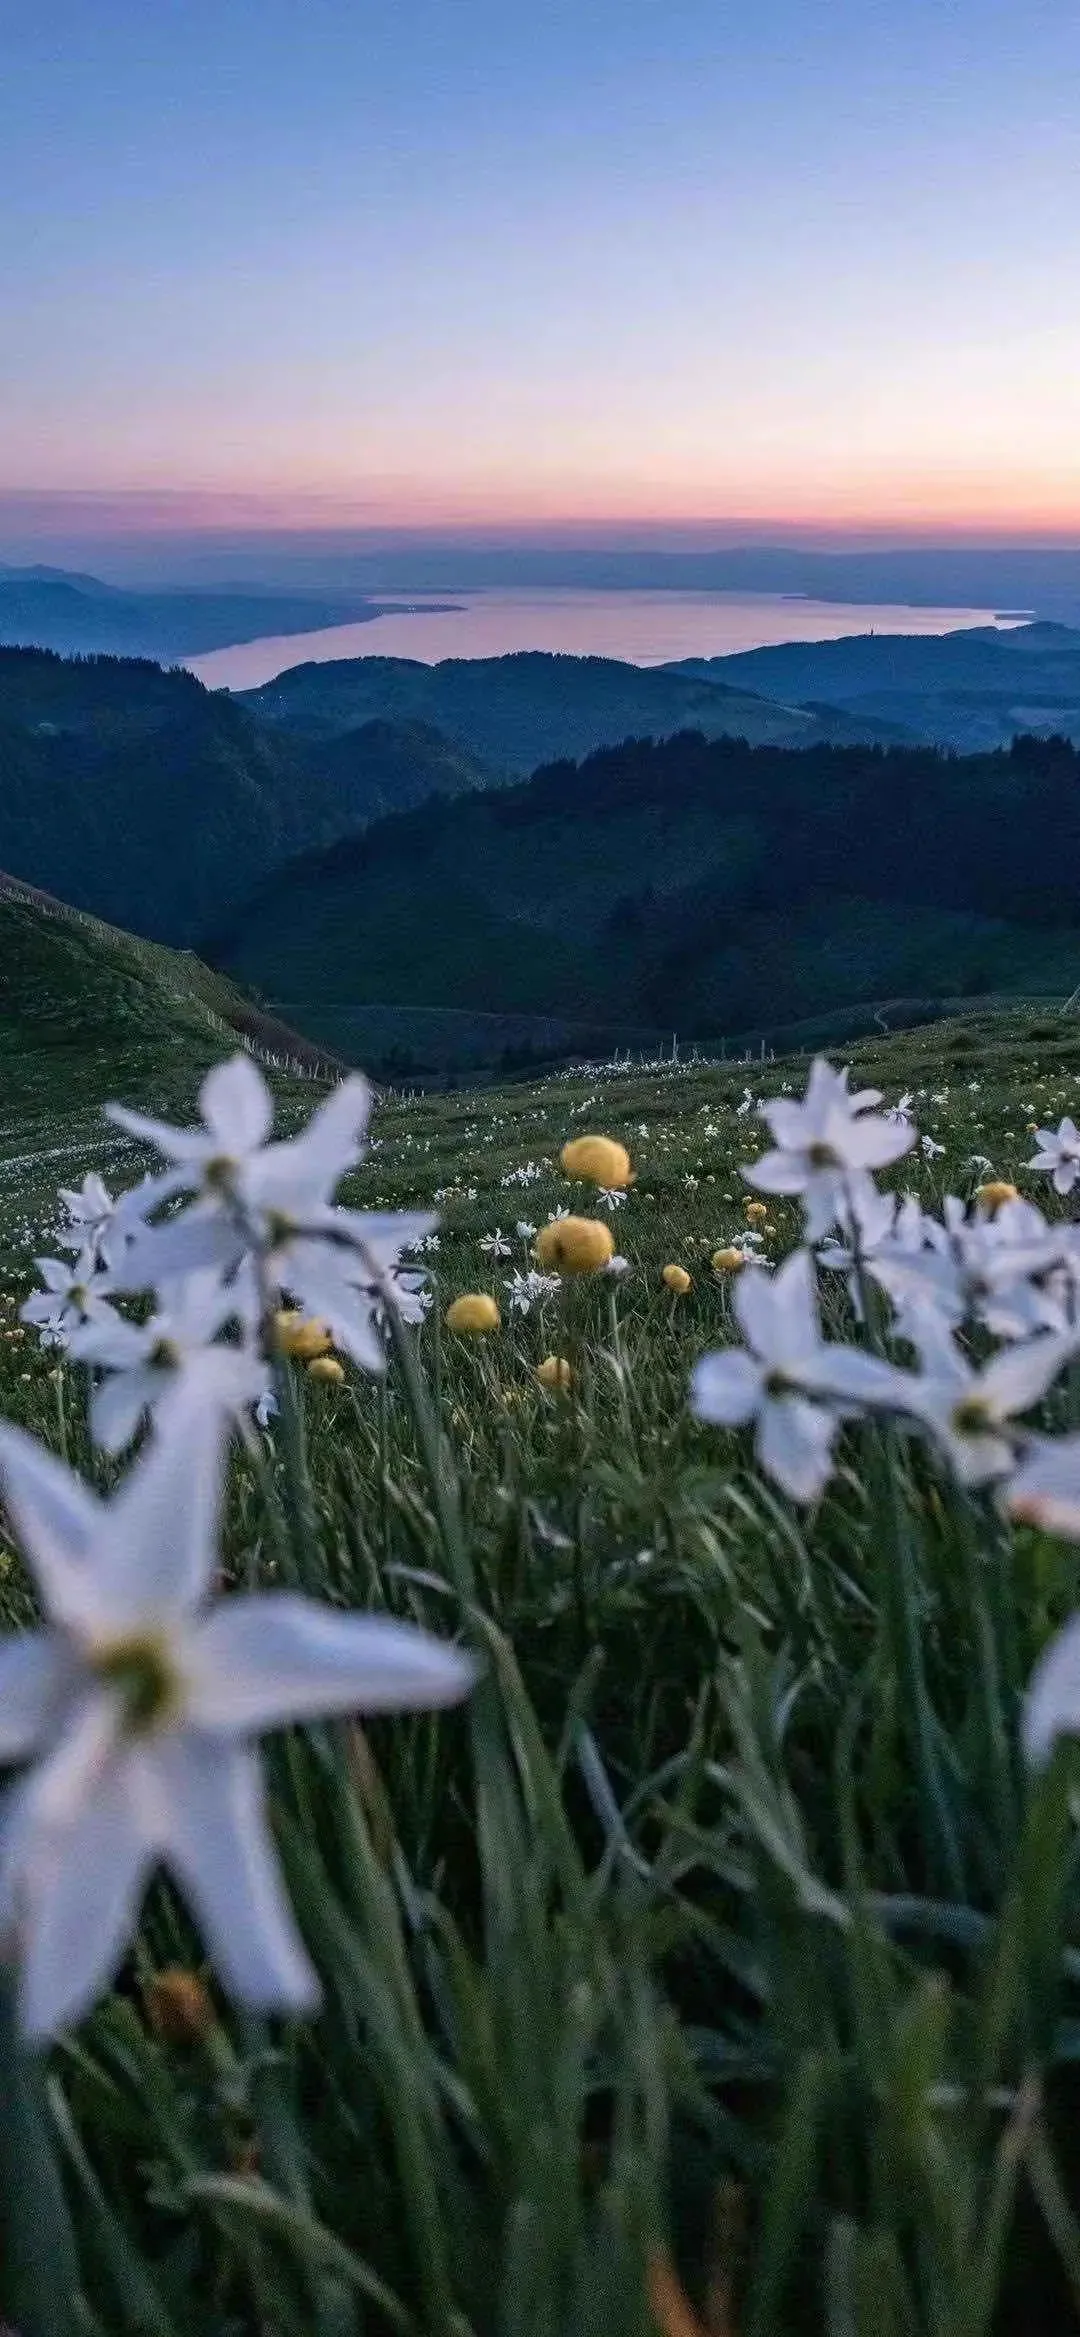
(88, 1012)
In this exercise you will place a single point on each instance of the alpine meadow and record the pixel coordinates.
(539, 1170)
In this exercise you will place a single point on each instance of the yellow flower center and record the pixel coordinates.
(220, 1172)
(972, 1416)
(140, 1671)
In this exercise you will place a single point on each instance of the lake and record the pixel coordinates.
(648, 628)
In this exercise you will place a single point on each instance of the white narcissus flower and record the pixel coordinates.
(262, 1216)
(787, 1379)
(531, 1289)
(134, 1708)
(147, 1363)
(1058, 1156)
(973, 1412)
(826, 1143)
(72, 1295)
(95, 1222)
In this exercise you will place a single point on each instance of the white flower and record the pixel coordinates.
(262, 1215)
(1052, 1704)
(531, 1289)
(1045, 1489)
(618, 1266)
(901, 1109)
(135, 1706)
(1059, 1154)
(971, 1411)
(929, 1149)
(495, 1244)
(525, 1232)
(611, 1196)
(146, 1363)
(72, 1294)
(95, 1222)
(824, 1142)
(780, 1378)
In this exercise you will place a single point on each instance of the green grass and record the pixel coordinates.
(661, 1947)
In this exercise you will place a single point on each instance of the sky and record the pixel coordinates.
(756, 265)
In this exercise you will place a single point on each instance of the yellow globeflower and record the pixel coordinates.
(326, 1367)
(757, 1212)
(475, 1313)
(677, 1279)
(728, 1261)
(179, 2007)
(599, 1160)
(994, 1195)
(575, 1245)
(298, 1334)
(554, 1372)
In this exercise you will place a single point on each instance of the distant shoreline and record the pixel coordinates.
(636, 627)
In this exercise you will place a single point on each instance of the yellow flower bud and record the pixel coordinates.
(326, 1367)
(299, 1335)
(677, 1279)
(475, 1314)
(575, 1245)
(599, 1160)
(757, 1212)
(728, 1261)
(554, 1372)
(994, 1195)
(179, 2007)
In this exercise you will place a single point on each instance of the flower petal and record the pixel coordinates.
(259, 1662)
(794, 1446)
(76, 1891)
(237, 1105)
(217, 1845)
(55, 1517)
(32, 1668)
(726, 1388)
(156, 1545)
(1052, 1708)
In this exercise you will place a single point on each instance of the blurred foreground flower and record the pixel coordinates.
(598, 1160)
(134, 1707)
(575, 1245)
(554, 1372)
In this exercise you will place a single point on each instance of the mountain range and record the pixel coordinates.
(52, 608)
(700, 850)
(969, 689)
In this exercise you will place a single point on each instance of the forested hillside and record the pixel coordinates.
(701, 885)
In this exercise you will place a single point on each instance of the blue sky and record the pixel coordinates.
(806, 259)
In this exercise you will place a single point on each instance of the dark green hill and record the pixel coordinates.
(697, 885)
(969, 689)
(516, 712)
(135, 793)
